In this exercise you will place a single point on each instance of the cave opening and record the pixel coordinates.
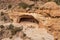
(28, 18)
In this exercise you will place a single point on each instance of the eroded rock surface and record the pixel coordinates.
(30, 21)
(27, 32)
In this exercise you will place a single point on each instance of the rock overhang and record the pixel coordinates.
(18, 15)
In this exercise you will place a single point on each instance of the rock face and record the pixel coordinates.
(38, 34)
(50, 5)
(28, 32)
(29, 21)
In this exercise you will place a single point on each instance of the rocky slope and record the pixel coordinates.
(29, 20)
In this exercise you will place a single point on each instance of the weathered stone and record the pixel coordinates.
(50, 5)
(38, 34)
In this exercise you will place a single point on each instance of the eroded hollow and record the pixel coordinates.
(28, 18)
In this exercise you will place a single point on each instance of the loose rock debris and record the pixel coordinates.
(33, 20)
(11, 32)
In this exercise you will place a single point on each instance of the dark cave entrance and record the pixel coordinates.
(28, 18)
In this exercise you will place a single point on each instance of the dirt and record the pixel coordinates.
(42, 22)
(23, 31)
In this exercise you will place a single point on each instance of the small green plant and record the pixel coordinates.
(4, 18)
(16, 29)
(24, 5)
(13, 32)
(11, 27)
